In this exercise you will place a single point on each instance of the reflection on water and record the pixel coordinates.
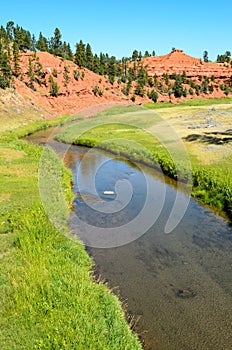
(177, 286)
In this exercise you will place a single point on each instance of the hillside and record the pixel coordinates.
(75, 88)
(79, 89)
(178, 62)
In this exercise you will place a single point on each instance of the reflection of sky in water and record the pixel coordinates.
(150, 271)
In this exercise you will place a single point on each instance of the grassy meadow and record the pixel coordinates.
(191, 142)
(49, 299)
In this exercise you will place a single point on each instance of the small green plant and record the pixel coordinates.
(54, 89)
(55, 73)
(95, 90)
(3, 82)
(76, 74)
(133, 98)
(153, 95)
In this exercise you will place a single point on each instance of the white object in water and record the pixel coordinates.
(108, 192)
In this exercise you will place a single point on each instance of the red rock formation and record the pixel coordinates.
(178, 62)
(79, 93)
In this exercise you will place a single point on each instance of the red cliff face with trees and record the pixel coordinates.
(47, 73)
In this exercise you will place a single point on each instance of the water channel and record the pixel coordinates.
(177, 287)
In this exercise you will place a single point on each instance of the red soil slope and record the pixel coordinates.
(78, 94)
(178, 62)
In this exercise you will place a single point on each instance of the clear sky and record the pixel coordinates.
(118, 27)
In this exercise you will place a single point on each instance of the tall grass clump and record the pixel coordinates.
(49, 298)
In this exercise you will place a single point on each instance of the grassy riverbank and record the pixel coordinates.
(48, 297)
(195, 139)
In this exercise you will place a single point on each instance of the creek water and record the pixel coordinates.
(177, 287)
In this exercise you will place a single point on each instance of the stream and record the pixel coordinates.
(176, 288)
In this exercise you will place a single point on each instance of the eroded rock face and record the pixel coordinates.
(84, 88)
(178, 62)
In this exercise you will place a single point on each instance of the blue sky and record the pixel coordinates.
(119, 27)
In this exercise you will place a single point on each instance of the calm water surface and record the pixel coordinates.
(177, 286)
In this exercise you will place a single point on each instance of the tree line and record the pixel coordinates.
(15, 39)
(130, 71)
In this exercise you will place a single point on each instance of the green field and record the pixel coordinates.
(49, 299)
(191, 143)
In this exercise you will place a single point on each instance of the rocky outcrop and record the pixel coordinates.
(178, 62)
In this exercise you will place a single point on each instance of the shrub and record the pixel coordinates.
(4, 83)
(153, 95)
(54, 73)
(54, 89)
(133, 98)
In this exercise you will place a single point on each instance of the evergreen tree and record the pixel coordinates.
(39, 73)
(125, 61)
(205, 56)
(131, 74)
(112, 69)
(33, 43)
(22, 38)
(178, 88)
(146, 54)
(66, 76)
(42, 43)
(89, 57)
(96, 64)
(31, 74)
(139, 90)
(153, 95)
(135, 55)
(66, 51)
(5, 71)
(16, 68)
(5, 68)
(80, 55)
(103, 63)
(54, 89)
(56, 43)
(10, 30)
(142, 77)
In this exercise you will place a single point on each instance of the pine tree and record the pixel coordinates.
(66, 76)
(135, 55)
(10, 30)
(31, 75)
(146, 54)
(22, 38)
(33, 43)
(103, 63)
(5, 71)
(54, 89)
(66, 51)
(42, 43)
(96, 64)
(178, 88)
(80, 55)
(89, 57)
(5, 67)
(153, 95)
(111, 67)
(16, 68)
(205, 56)
(56, 43)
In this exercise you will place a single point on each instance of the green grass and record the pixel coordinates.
(134, 135)
(190, 102)
(49, 299)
